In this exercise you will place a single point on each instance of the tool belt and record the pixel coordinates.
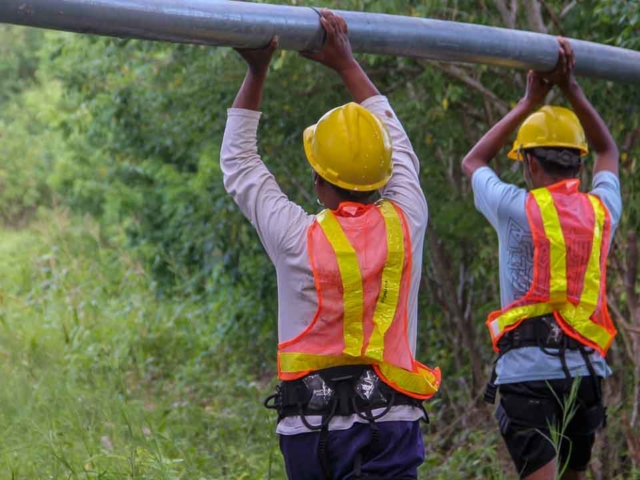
(545, 333)
(341, 391)
(338, 391)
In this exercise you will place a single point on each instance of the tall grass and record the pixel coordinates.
(569, 407)
(102, 378)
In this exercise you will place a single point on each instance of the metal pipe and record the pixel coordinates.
(244, 24)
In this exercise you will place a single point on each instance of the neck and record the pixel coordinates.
(363, 201)
(334, 202)
(549, 180)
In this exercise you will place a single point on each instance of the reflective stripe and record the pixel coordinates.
(557, 246)
(577, 317)
(351, 283)
(557, 269)
(301, 362)
(423, 382)
(413, 379)
(591, 286)
(517, 314)
(580, 317)
(389, 295)
(580, 320)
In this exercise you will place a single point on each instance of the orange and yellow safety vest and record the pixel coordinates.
(571, 236)
(362, 270)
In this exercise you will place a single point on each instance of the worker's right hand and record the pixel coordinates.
(336, 52)
(259, 59)
(537, 88)
(562, 74)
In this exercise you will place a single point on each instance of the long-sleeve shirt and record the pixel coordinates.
(282, 227)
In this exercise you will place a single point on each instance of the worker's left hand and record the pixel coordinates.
(563, 73)
(537, 88)
(259, 59)
(336, 52)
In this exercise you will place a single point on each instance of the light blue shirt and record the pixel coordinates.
(503, 204)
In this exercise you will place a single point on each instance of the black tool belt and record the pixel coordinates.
(545, 333)
(341, 391)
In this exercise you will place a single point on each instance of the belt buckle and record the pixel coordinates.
(368, 388)
(321, 393)
(555, 333)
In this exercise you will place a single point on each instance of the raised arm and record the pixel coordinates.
(595, 129)
(246, 178)
(250, 94)
(336, 54)
(490, 144)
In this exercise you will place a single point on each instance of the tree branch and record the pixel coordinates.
(624, 332)
(534, 16)
(462, 76)
(632, 276)
(508, 14)
(441, 267)
(554, 18)
(568, 8)
(620, 317)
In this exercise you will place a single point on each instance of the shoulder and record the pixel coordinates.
(606, 186)
(486, 181)
(378, 104)
(495, 198)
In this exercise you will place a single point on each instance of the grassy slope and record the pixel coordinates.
(103, 380)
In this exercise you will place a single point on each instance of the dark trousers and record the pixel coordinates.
(527, 410)
(397, 456)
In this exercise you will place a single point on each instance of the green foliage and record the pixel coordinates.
(103, 380)
(157, 311)
(18, 59)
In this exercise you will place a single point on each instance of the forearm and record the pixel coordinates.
(250, 94)
(595, 129)
(358, 83)
(241, 165)
(489, 146)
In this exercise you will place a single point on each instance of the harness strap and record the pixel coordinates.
(563, 360)
(326, 418)
(323, 450)
(491, 389)
(597, 387)
(344, 391)
(357, 465)
(536, 332)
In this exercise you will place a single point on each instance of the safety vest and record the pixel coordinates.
(361, 261)
(571, 237)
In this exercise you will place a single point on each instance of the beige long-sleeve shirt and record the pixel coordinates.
(282, 227)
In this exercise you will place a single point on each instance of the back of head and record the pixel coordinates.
(558, 162)
(350, 148)
(551, 131)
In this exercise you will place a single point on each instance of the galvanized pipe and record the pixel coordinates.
(243, 24)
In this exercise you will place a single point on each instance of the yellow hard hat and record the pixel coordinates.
(351, 148)
(550, 127)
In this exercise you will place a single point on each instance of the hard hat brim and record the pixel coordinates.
(513, 154)
(308, 135)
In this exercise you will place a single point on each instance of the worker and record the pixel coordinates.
(351, 392)
(554, 330)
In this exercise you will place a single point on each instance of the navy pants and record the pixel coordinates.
(399, 453)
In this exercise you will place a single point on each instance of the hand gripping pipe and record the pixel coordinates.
(252, 25)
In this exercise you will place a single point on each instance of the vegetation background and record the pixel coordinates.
(137, 307)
